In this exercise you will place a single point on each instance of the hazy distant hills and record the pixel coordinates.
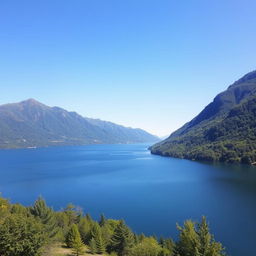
(33, 124)
(224, 131)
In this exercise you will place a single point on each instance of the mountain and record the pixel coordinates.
(32, 124)
(224, 131)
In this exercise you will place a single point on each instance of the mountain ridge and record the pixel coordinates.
(192, 140)
(30, 123)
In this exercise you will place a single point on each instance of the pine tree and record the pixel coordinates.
(20, 235)
(102, 220)
(122, 239)
(88, 217)
(188, 243)
(78, 245)
(97, 236)
(46, 215)
(205, 237)
(73, 238)
(72, 214)
(107, 234)
(93, 246)
(196, 240)
(85, 228)
(148, 247)
(208, 246)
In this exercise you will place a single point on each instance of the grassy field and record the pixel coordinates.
(62, 250)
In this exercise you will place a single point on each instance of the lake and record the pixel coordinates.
(151, 193)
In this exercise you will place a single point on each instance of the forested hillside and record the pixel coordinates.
(224, 131)
(33, 231)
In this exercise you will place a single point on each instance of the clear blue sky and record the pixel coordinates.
(140, 63)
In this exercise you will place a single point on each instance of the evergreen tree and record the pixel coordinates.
(21, 236)
(77, 245)
(161, 241)
(46, 215)
(97, 236)
(19, 209)
(4, 208)
(196, 240)
(169, 245)
(141, 237)
(205, 237)
(208, 246)
(85, 228)
(107, 234)
(102, 220)
(188, 243)
(89, 218)
(72, 214)
(93, 246)
(148, 247)
(122, 240)
(73, 237)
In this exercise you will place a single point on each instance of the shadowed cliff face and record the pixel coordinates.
(217, 134)
(31, 123)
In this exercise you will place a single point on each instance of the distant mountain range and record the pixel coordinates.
(33, 124)
(224, 131)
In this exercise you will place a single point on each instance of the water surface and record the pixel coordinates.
(150, 192)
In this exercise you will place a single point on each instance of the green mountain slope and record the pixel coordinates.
(33, 124)
(224, 131)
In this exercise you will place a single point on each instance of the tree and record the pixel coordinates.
(46, 215)
(168, 246)
(122, 240)
(188, 243)
(71, 213)
(93, 246)
(85, 227)
(4, 208)
(196, 240)
(102, 220)
(147, 247)
(73, 238)
(78, 245)
(98, 238)
(21, 236)
(208, 246)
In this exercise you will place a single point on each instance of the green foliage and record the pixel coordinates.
(46, 215)
(147, 247)
(73, 240)
(122, 240)
(196, 240)
(98, 238)
(23, 232)
(73, 214)
(78, 246)
(224, 131)
(168, 246)
(85, 226)
(20, 236)
(93, 246)
(102, 220)
(4, 208)
(73, 236)
(19, 209)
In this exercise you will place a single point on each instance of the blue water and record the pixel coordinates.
(151, 193)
